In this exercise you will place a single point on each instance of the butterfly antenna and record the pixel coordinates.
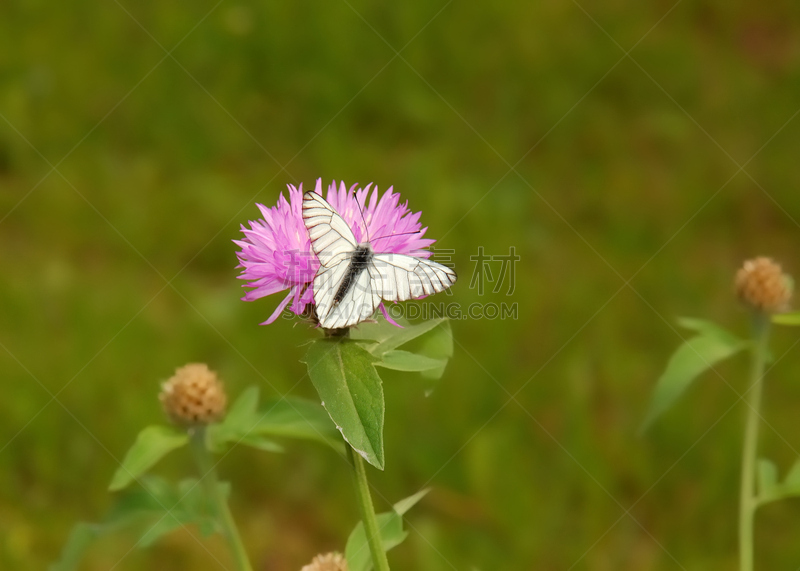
(398, 234)
(361, 212)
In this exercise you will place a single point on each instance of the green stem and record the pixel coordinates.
(367, 511)
(748, 498)
(208, 476)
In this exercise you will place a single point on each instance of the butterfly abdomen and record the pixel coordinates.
(359, 261)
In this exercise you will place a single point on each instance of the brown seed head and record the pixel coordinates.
(327, 562)
(194, 395)
(761, 284)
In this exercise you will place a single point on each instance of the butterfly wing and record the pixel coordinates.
(326, 283)
(392, 277)
(334, 244)
(331, 237)
(358, 303)
(402, 277)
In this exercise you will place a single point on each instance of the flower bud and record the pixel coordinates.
(194, 395)
(761, 284)
(327, 562)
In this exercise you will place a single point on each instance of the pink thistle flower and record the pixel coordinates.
(276, 252)
(276, 255)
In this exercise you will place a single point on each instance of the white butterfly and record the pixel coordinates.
(352, 279)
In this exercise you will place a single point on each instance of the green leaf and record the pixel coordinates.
(82, 535)
(690, 360)
(770, 489)
(155, 509)
(438, 344)
(155, 495)
(434, 340)
(159, 527)
(402, 336)
(391, 529)
(357, 550)
(160, 507)
(220, 436)
(298, 418)
(377, 331)
(342, 372)
(152, 444)
(709, 329)
(790, 487)
(240, 415)
(178, 506)
(792, 480)
(767, 480)
(406, 504)
(260, 443)
(247, 423)
(787, 318)
(237, 424)
(187, 505)
(399, 360)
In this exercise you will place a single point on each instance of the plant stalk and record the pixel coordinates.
(208, 477)
(367, 511)
(748, 499)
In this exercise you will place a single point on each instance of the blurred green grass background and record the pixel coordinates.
(135, 137)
